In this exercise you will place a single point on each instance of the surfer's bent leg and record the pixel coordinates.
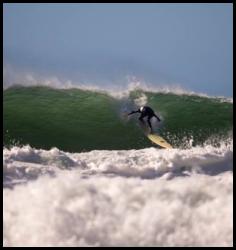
(141, 118)
(149, 123)
(157, 118)
(142, 122)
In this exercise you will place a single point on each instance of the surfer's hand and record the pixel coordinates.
(125, 116)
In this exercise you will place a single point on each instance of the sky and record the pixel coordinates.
(186, 44)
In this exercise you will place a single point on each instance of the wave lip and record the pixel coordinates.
(11, 78)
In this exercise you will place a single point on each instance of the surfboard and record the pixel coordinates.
(159, 140)
(155, 138)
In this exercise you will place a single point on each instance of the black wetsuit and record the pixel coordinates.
(146, 111)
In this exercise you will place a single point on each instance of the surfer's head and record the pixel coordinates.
(141, 108)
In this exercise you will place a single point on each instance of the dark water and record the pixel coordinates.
(77, 120)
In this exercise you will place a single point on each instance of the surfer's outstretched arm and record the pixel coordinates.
(134, 112)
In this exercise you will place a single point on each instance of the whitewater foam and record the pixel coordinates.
(146, 197)
(99, 211)
(144, 163)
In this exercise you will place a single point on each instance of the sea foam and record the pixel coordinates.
(147, 197)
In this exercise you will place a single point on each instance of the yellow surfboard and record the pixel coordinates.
(154, 137)
(159, 140)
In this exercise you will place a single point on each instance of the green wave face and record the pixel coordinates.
(77, 120)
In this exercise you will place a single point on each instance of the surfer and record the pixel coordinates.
(146, 111)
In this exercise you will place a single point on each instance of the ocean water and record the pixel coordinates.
(77, 120)
(78, 172)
